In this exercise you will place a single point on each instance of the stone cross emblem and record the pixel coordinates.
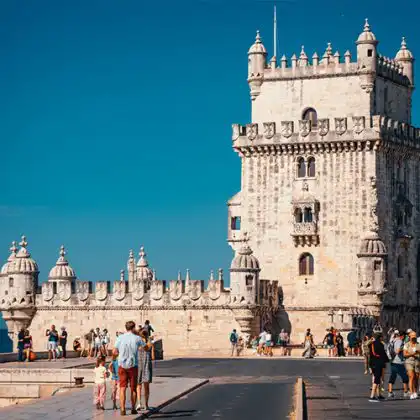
(269, 129)
(304, 127)
(82, 290)
(287, 128)
(358, 124)
(175, 289)
(340, 125)
(101, 290)
(47, 291)
(119, 289)
(138, 290)
(252, 131)
(323, 126)
(64, 290)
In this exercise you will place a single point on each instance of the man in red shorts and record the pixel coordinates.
(126, 348)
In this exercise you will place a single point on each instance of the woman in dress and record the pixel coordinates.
(146, 355)
(308, 352)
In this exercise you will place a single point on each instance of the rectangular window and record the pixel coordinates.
(377, 266)
(370, 53)
(11, 281)
(235, 223)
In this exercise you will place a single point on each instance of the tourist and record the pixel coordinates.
(339, 342)
(283, 342)
(396, 355)
(89, 340)
(308, 344)
(240, 347)
(77, 345)
(97, 343)
(20, 347)
(367, 341)
(254, 345)
(106, 339)
(412, 363)
(352, 343)
(63, 341)
(52, 335)
(329, 342)
(99, 389)
(115, 381)
(126, 348)
(149, 328)
(262, 341)
(378, 361)
(268, 345)
(145, 371)
(233, 342)
(27, 345)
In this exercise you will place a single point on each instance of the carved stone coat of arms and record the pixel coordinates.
(138, 290)
(157, 289)
(64, 290)
(47, 291)
(82, 290)
(119, 290)
(175, 289)
(215, 289)
(194, 291)
(101, 290)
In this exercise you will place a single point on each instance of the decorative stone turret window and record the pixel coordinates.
(305, 219)
(311, 115)
(305, 167)
(306, 264)
(235, 223)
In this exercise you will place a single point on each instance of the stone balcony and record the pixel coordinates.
(305, 234)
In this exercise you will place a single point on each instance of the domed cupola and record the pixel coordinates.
(257, 55)
(406, 59)
(62, 270)
(257, 47)
(6, 267)
(245, 260)
(367, 36)
(23, 263)
(371, 245)
(143, 271)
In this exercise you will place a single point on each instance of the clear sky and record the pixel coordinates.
(115, 119)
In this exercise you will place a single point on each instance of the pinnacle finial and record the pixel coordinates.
(220, 277)
(131, 254)
(154, 275)
(62, 251)
(13, 248)
(23, 242)
(302, 53)
(403, 43)
(179, 275)
(122, 275)
(187, 276)
(142, 254)
(367, 26)
(258, 37)
(211, 275)
(329, 49)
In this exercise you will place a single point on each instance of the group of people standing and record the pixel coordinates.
(336, 345)
(403, 353)
(131, 366)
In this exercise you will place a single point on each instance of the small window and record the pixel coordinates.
(306, 265)
(249, 280)
(235, 223)
(400, 267)
(301, 168)
(298, 216)
(307, 215)
(377, 265)
(311, 167)
(370, 53)
(11, 282)
(311, 115)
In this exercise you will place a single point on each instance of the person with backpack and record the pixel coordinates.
(233, 342)
(396, 356)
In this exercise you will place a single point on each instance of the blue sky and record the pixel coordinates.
(115, 120)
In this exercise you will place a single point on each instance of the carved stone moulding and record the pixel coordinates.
(305, 240)
(252, 131)
(269, 129)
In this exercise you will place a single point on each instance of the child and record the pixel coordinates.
(100, 375)
(97, 344)
(113, 368)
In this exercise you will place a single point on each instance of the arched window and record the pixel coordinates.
(306, 265)
(301, 168)
(307, 215)
(298, 216)
(311, 167)
(311, 115)
(400, 267)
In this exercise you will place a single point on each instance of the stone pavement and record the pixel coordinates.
(78, 403)
(45, 364)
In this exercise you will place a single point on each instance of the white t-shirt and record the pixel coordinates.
(268, 337)
(99, 373)
(263, 336)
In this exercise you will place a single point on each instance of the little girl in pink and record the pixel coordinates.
(100, 374)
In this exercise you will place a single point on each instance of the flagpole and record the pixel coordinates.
(275, 31)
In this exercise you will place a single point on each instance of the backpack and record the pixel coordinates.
(233, 338)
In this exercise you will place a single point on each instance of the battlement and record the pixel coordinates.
(346, 133)
(391, 69)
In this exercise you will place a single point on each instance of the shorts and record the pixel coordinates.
(377, 373)
(398, 369)
(128, 376)
(330, 346)
(412, 366)
(52, 345)
(268, 344)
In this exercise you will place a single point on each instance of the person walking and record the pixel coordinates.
(52, 335)
(63, 342)
(378, 361)
(89, 340)
(233, 342)
(20, 346)
(145, 372)
(97, 343)
(106, 339)
(367, 341)
(115, 381)
(99, 389)
(339, 340)
(308, 344)
(396, 355)
(412, 363)
(126, 348)
(352, 342)
(27, 345)
(329, 342)
(149, 328)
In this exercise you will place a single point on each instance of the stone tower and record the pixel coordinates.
(330, 187)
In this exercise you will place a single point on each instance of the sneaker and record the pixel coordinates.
(406, 395)
(391, 395)
(413, 397)
(133, 411)
(122, 412)
(381, 397)
(373, 399)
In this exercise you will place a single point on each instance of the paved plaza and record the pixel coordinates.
(239, 388)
